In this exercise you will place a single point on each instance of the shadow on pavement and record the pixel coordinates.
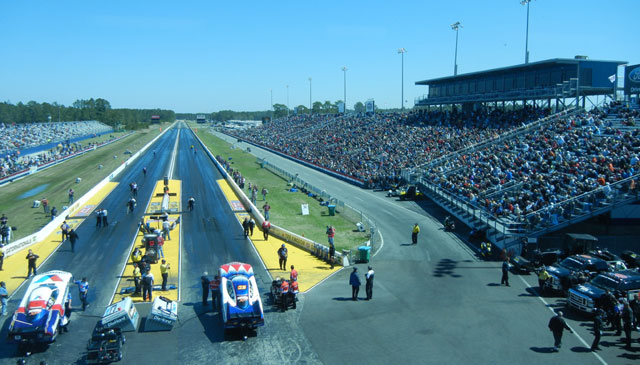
(542, 350)
(342, 299)
(211, 321)
(580, 349)
(494, 284)
(446, 267)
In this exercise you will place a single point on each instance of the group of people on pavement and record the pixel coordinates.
(354, 281)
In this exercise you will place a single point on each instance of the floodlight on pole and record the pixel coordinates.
(402, 51)
(344, 71)
(526, 46)
(309, 95)
(455, 26)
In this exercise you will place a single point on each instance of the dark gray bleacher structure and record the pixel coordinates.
(549, 82)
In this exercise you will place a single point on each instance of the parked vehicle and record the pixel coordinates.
(631, 258)
(587, 297)
(574, 270)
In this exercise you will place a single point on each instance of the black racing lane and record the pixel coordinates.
(212, 236)
(99, 256)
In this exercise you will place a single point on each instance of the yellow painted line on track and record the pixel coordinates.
(15, 266)
(171, 246)
(311, 270)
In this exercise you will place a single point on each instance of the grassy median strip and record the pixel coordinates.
(286, 209)
(53, 183)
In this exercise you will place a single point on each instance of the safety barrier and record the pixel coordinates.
(27, 241)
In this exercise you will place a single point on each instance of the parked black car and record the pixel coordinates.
(631, 258)
(587, 297)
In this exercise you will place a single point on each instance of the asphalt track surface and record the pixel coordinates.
(432, 303)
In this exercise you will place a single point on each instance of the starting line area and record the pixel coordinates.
(171, 247)
(311, 270)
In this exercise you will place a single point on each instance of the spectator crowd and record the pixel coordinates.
(16, 137)
(375, 148)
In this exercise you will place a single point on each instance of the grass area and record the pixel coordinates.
(285, 205)
(54, 182)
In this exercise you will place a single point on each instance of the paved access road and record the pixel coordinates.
(436, 302)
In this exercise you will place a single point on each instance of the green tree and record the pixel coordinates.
(280, 110)
(317, 107)
(359, 107)
(302, 109)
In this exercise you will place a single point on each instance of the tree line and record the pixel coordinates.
(90, 109)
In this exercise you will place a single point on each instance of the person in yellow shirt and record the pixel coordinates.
(136, 278)
(414, 234)
(136, 256)
(543, 276)
(164, 270)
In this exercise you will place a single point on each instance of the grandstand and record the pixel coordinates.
(546, 175)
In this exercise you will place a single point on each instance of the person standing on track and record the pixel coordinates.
(369, 283)
(204, 280)
(64, 228)
(597, 329)
(252, 225)
(104, 214)
(557, 325)
(505, 272)
(214, 286)
(31, 257)
(136, 278)
(73, 238)
(293, 276)
(144, 172)
(71, 195)
(266, 226)
(414, 234)
(164, 271)
(98, 218)
(282, 257)
(131, 204)
(191, 203)
(83, 288)
(245, 227)
(1, 255)
(4, 296)
(354, 281)
(264, 194)
(147, 286)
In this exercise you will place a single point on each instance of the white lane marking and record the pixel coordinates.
(428, 255)
(381, 244)
(174, 153)
(574, 332)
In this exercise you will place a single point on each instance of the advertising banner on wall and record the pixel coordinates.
(632, 80)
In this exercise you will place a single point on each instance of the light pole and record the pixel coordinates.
(344, 70)
(271, 104)
(309, 95)
(402, 51)
(526, 46)
(287, 101)
(455, 26)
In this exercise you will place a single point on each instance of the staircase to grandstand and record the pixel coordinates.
(507, 230)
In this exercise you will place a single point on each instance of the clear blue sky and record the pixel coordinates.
(205, 56)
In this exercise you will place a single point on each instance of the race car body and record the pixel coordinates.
(41, 309)
(241, 303)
